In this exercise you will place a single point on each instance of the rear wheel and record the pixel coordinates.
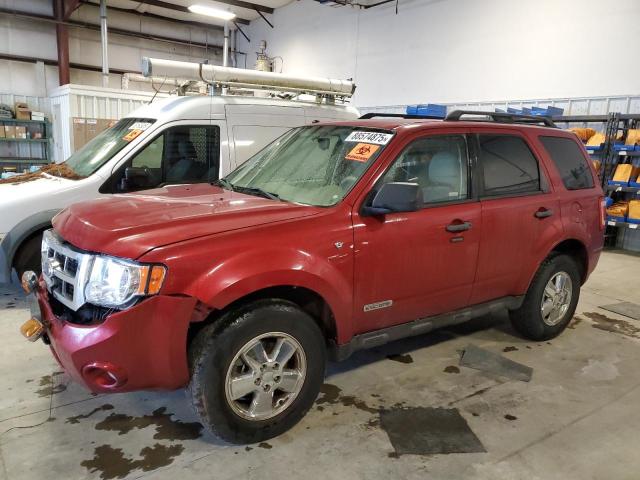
(28, 256)
(550, 301)
(257, 371)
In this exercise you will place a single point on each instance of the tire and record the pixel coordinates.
(534, 322)
(28, 256)
(215, 356)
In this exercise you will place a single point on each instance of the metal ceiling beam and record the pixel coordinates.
(132, 11)
(247, 5)
(116, 31)
(180, 8)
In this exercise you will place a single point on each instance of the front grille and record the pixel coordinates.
(65, 270)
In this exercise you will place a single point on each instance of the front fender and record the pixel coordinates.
(251, 271)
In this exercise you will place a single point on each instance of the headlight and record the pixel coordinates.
(115, 283)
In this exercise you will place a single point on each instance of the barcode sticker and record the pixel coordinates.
(613, 224)
(633, 225)
(369, 137)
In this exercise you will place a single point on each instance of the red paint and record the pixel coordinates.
(221, 246)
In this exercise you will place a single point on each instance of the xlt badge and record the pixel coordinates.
(378, 305)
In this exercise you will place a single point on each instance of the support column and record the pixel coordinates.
(62, 38)
(105, 42)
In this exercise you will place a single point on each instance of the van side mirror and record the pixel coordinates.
(138, 177)
(395, 197)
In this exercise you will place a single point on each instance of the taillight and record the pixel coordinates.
(603, 213)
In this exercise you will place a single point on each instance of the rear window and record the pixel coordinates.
(508, 165)
(570, 161)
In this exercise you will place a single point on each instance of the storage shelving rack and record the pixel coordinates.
(22, 153)
(610, 156)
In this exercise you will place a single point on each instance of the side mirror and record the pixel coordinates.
(395, 197)
(137, 177)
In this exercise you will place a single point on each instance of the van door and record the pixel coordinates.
(180, 152)
(252, 127)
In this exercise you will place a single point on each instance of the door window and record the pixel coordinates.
(570, 161)
(439, 164)
(182, 154)
(508, 165)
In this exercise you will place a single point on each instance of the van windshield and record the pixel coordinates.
(314, 165)
(105, 145)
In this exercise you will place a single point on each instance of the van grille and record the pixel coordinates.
(65, 269)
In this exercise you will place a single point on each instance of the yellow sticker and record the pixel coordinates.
(362, 152)
(133, 134)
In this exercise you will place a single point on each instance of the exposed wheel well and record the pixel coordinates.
(20, 248)
(576, 250)
(308, 301)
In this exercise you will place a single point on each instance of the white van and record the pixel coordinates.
(171, 141)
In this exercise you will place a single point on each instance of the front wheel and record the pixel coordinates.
(257, 371)
(550, 301)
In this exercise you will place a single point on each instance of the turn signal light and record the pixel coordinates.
(32, 329)
(156, 279)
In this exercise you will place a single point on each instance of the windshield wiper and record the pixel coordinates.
(224, 183)
(257, 191)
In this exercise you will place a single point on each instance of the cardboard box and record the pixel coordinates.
(21, 132)
(23, 112)
(623, 173)
(79, 131)
(634, 210)
(91, 129)
(38, 116)
(2, 135)
(10, 131)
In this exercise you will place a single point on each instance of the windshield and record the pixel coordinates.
(315, 165)
(105, 145)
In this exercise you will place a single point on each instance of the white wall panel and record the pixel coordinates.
(456, 51)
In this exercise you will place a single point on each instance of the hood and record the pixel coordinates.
(132, 224)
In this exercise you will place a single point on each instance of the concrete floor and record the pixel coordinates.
(577, 418)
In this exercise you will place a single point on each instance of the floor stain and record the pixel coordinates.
(602, 322)
(451, 369)
(331, 395)
(510, 349)
(574, 323)
(49, 385)
(428, 431)
(112, 463)
(166, 427)
(401, 358)
(265, 445)
(76, 419)
(510, 417)
(247, 449)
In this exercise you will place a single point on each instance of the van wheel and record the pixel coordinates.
(550, 301)
(257, 371)
(28, 256)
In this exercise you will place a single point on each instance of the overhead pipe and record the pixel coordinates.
(104, 41)
(240, 77)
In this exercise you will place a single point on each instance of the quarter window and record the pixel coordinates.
(508, 165)
(439, 164)
(570, 161)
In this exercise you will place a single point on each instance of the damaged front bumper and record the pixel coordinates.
(141, 348)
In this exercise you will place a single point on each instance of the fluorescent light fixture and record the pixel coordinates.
(212, 12)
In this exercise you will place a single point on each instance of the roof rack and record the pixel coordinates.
(500, 117)
(398, 115)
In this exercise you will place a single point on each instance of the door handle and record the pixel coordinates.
(458, 227)
(543, 213)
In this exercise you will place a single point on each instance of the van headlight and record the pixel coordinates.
(117, 283)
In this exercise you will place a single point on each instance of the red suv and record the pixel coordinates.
(334, 238)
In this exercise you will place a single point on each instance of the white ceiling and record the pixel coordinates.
(247, 14)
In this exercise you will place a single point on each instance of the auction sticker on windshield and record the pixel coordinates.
(369, 137)
(140, 126)
(362, 152)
